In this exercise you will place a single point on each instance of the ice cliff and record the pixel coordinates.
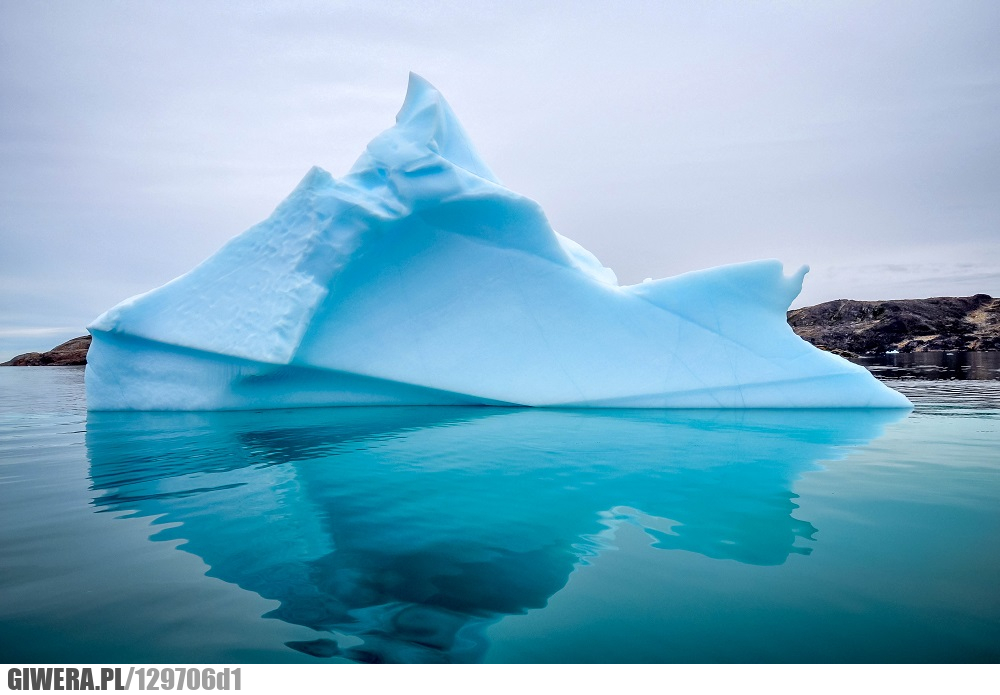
(418, 278)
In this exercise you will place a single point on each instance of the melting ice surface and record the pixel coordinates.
(418, 279)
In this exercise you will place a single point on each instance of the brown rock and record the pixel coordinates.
(906, 325)
(72, 352)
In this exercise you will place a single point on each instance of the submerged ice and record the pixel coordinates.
(419, 279)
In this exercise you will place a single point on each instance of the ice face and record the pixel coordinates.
(419, 279)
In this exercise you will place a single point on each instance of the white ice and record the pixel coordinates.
(419, 279)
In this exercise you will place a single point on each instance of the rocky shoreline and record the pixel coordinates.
(852, 328)
(72, 352)
(844, 326)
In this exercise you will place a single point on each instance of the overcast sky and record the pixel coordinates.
(862, 138)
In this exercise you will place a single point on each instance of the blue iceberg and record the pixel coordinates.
(418, 279)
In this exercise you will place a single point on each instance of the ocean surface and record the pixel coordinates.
(501, 534)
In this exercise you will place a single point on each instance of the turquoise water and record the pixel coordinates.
(497, 534)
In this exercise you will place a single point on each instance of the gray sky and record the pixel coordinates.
(862, 138)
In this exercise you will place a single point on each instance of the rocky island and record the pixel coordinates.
(72, 352)
(852, 328)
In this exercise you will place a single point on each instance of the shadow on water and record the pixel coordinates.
(405, 532)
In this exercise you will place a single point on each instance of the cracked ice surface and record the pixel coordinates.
(419, 279)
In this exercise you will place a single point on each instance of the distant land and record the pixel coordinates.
(854, 328)
(72, 352)
(844, 326)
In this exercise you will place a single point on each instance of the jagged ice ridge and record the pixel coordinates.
(419, 279)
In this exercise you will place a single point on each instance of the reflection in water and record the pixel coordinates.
(405, 532)
(933, 364)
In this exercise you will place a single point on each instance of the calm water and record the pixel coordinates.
(498, 535)
(934, 364)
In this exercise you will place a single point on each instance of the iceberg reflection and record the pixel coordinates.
(405, 532)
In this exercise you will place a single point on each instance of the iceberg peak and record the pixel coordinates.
(418, 279)
(427, 119)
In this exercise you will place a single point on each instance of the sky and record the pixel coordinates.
(861, 138)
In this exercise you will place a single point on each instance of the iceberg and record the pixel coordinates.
(418, 279)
